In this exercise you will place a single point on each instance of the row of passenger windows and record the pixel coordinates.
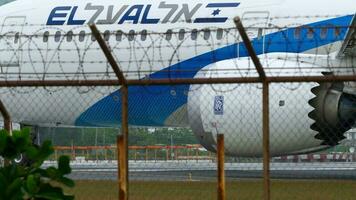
(206, 34)
(323, 33)
(131, 35)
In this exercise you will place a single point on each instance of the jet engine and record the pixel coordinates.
(304, 117)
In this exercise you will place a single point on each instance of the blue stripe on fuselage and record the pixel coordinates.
(152, 105)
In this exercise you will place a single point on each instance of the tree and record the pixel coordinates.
(31, 182)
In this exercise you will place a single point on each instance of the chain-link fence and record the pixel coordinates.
(299, 144)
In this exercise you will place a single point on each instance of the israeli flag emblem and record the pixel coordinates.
(219, 105)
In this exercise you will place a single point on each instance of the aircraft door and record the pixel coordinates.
(10, 44)
(255, 24)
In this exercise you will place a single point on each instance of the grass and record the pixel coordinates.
(239, 190)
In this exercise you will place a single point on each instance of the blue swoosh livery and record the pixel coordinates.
(152, 105)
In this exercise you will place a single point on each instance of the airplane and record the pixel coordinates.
(51, 40)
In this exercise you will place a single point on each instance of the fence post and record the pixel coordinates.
(167, 153)
(6, 116)
(7, 124)
(121, 167)
(55, 154)
(124, 163)
(123, 150)
(266, 151)
(221, 167)
(265, 108)
(146, 153)
(155, 155)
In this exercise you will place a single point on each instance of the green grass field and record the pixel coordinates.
(239, 190)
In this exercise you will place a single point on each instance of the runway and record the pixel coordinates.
(206, 170)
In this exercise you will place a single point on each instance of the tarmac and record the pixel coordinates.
(183, 170)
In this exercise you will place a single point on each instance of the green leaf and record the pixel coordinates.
(53, 196)
(10, 151)
(52, 173)
(13, 171)
(63, 165)
(66, 181)
(31, 184)
(51, 193)
(3, 138)
(32, 152)
(31, 181)
(22, 134)
(68, 197)
(45, 151)
(21, 139)
(14, 187)
(3, 183)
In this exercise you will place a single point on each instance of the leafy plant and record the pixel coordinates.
(30, 181)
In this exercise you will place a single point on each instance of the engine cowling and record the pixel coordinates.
(304, 117)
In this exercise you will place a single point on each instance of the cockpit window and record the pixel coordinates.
(3, 2)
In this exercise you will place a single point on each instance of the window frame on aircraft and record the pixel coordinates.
(310, 33)
(297, 32)
(92, 37)
(324, 32)
(194, 34)
(169, 34)
(131, 35)
(81, 36)
(57, 36)
(69, 36)
(337, 32)
(118, 35)
(144, 34)
(206, 34)
(259, 33)
(181, 34)
(107, 35)
(45, 36)
(219, 33)
(17, 38)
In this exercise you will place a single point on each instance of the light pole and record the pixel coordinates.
(172, 152)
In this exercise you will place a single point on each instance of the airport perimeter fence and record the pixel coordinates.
(262, 109)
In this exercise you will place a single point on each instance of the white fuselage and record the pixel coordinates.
(150, 39)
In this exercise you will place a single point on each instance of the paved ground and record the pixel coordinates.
(206, 170)
(211, 175)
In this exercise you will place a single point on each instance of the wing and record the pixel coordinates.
(348, 48)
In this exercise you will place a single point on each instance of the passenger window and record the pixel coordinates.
(69, 36)
(17, 37)
(259, 34)
(93, 38)
(207, 34)
(310, 33)
(169, 34)
(119, 35)
(143, 35)
(131, 36)
(81, 36)
(337, 32)
(57, 36)
(181, 34)
(45, 36)
(219, 34)
(107, 35)
(323, 32)
(194, 35)
(297, 32)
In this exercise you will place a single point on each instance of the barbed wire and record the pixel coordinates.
(46, 54)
